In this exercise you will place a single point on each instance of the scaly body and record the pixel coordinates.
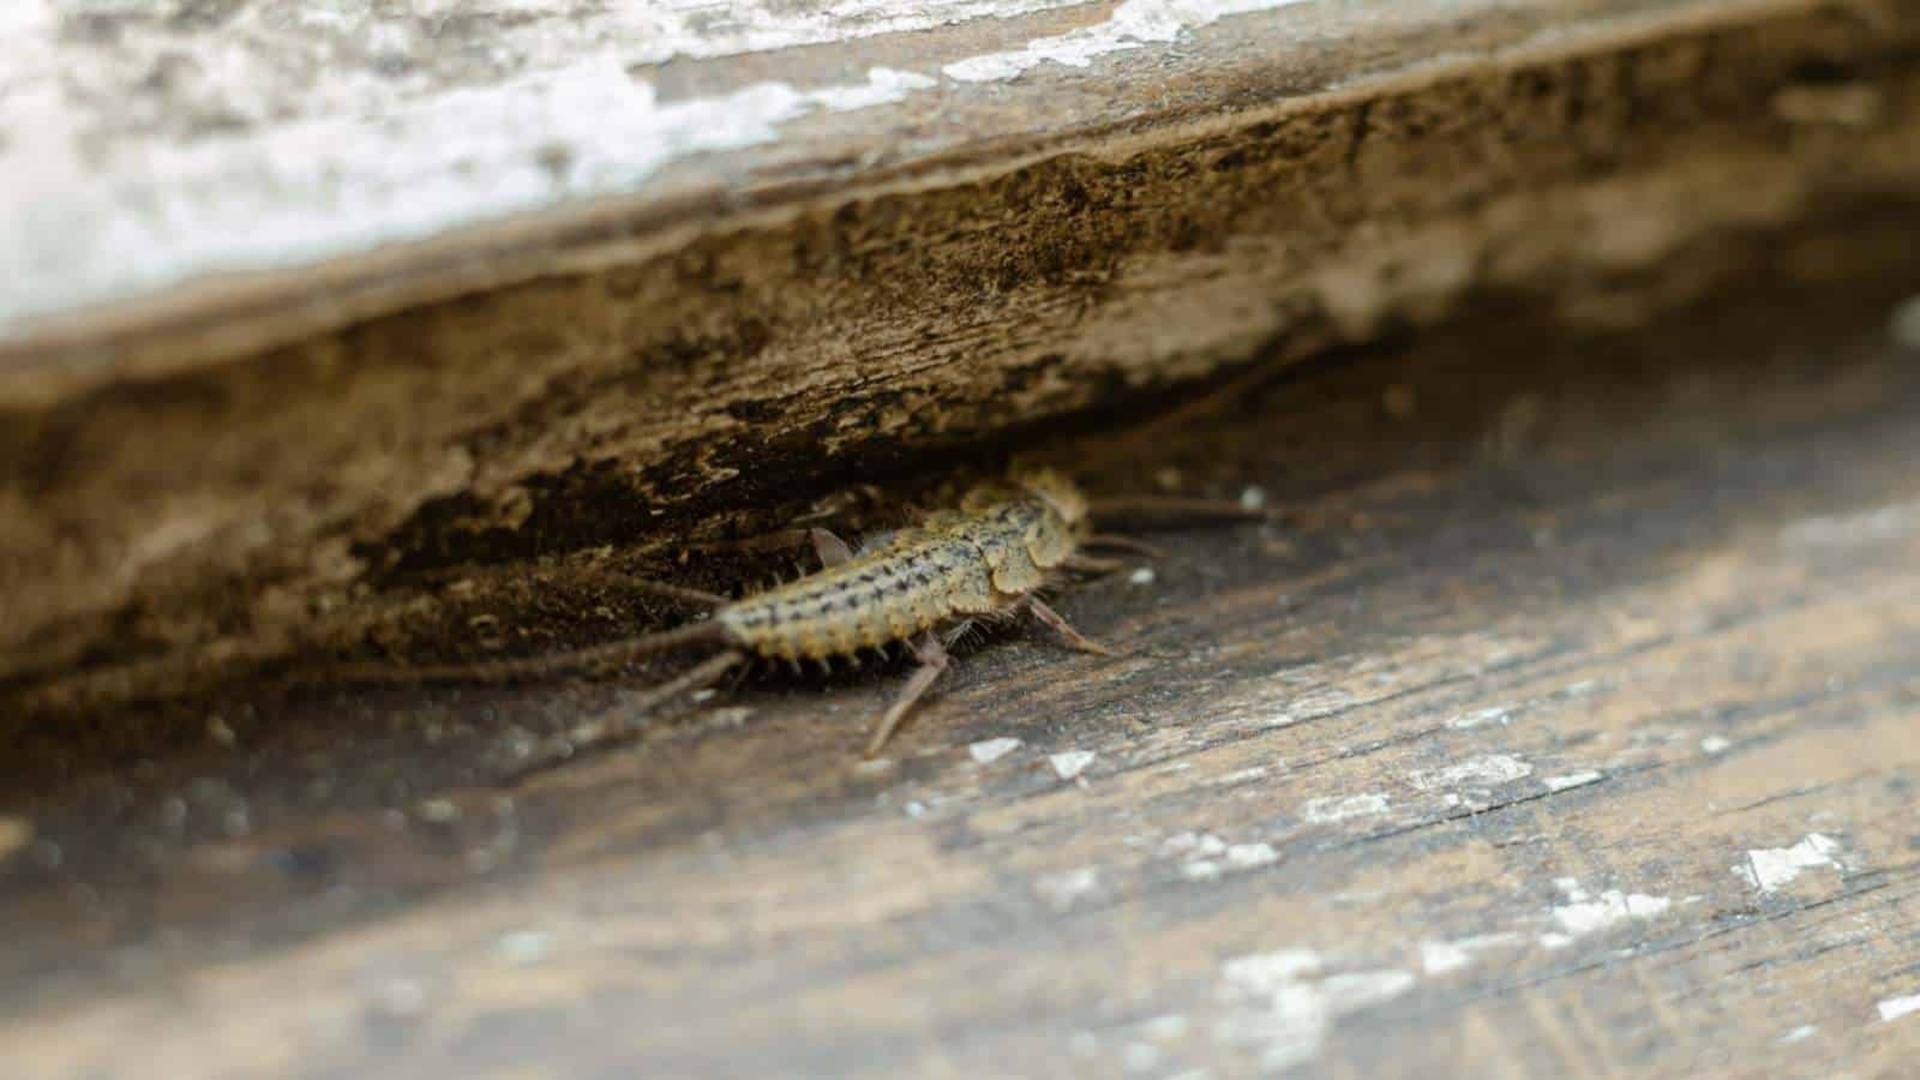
(980, 561)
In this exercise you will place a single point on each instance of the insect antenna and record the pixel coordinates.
(607, 735)
(621, 651)
(1172, 506)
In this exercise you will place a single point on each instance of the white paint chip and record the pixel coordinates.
(1442, 957)
(988, 751)
(1715, 744)
(1477, 772)
(1583, 915)
(1141, 576)
(1768, 869)
(1499, 714)
(1572, 780)
(1069, 887)
(1070, 763)
(1134, 24)
(1896, 1007)
(1279, 1005)
(1799, 1034)
(1201, 870)
(522, 947)
(1328, 810)
(1248, 856)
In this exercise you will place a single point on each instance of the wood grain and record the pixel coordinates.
(1564, 726)
(223, 468)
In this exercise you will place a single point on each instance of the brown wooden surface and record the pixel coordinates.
(210, 475)
(1567, 725)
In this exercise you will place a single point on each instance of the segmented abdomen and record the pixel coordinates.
(914, 582)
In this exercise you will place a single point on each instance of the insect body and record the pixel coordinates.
(924, 586)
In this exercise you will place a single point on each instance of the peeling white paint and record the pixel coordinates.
(1477, 772)
(988, 751)
(1443, 957)
(1134, 24)
(1767, 869)
(1069, 887)
(1325, 811)
(1894, 1008)
(1248, 856)
(1279, 1005)
(1572, 780)
(1069, 764)
(1183, 843)
(1201, 870)
(1879, 525)
(1208, 857)
(1714, 745)
(332, 184)
(1498, 714)
(1583, 915)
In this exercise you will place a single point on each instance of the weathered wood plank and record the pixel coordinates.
(1567, 726)
(198, 465)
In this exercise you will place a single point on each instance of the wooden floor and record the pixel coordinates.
(1567, 725)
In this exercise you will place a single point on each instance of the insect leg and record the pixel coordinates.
(605, 732)
(933, 662)
(699, 598)
(1092, 564)
(700, 676)
(1059, 625)
(832, 550)
(1128, 544)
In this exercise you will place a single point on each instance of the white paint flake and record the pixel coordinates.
(1248, 856)
(1279, 1005)
(1896, 1007)
(1767, 869)
(1799, 1034)
(1477, 772)
(1070, 763)
(988, 751)
(1879, 525)
(1134, 24)
(1572, 780)
(1715, 745)
(1201, 870)
(1583, 914)
(336, 182)
(1442, 957)
(1325, 811)
(521, 948)
(1208, 857)
(1499, 714)
(1141, 576)
(1068, 887)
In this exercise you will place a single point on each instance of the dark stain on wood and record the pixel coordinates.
(1490, 756)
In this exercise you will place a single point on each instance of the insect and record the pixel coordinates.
(985, 560)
